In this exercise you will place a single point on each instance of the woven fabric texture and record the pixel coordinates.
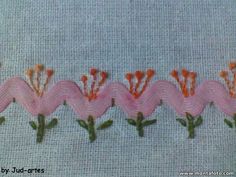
(117, 36)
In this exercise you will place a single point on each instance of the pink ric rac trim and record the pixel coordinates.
(69, 91)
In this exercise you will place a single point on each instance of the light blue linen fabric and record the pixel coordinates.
(117, 36)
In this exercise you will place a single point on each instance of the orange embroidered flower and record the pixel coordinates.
(139, 75)
(84, 78)
(38, 67)
(150, 73)
(93, 71)
(34, 75)
(95, 84)
(232, 65)
(230, 84)
(187, 76)
(185, 73)
(174, 74)
(49, 72)
(223, 74)
(30, 72)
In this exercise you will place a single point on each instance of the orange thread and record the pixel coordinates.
(139, 75)
(129, 77)
(95, 85)
(187, 76)
(34, 75)
(84, 79)
(193, 76)
(230, 84)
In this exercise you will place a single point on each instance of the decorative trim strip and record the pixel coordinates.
(160, 91)
(138, 101)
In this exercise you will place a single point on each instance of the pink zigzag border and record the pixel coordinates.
(208, 91)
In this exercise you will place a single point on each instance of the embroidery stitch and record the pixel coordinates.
(231, 85)
(2, 119)
(35, 80)
(138, 101)
(91, 96)
(188, 76)
(134, 90)
(140, 75)
(95, 86)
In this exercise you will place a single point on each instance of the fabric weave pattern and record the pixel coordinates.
(117, 36)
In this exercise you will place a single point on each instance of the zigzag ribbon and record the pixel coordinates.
(69, 91)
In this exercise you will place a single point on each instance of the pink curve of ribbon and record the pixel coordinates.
(69, 91)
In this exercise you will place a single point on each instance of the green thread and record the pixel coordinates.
(42, 126)
(64, 103)
(89, 125)
(2, 119)
(182, 122)
(190, 123)
(105, 125)
(91, 129)
(52, 123)
(229, 123)
(33, 125)
(14, 100)
(83, 124)
(131, 122)
(140, 123)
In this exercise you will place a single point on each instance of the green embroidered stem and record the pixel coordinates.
(231, 124)
(2, 119)
(42, 126)
(90, 127)
(14, 100)
(64, 103)
(190, 124)
(140, 123)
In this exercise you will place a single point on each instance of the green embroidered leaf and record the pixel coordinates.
(83, 124)
(234, 117)
(52, 124)
(198, 121)
(33, 125)
(105, 125)
(230, 124)
(189, 116)
(149, 122)
(131, 122)
(182, 122)
(2, 119)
